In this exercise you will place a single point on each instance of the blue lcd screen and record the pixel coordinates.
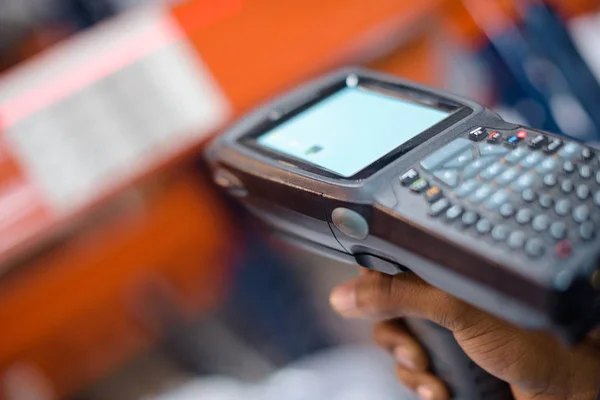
(350, 130)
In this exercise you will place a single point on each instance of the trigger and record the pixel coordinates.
(380, 264)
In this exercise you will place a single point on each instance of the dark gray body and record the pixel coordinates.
(542, 293)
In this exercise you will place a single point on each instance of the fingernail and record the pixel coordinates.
(425, 393)
(343, 299)
(403, 357)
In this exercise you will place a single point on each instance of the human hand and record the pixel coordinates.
(535, 364)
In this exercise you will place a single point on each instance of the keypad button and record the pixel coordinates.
(537, 142)
(507, 210)
(461, 160)
(568, 167)
(516, 155)
(548, 165)
(469, 218)
(454, 212)
(467, 187)
(409, 177)
(558, 230)
(529, 195)
(587, 230)
(546, 200)
(492, 150)
(494, 137)
(483, 226)
(439, 207)
(562, 249)
(550, 180)
(587, 154)
(562, 207)
(581, 213)
(500, 232)
(447, 176)
(492, 171)
(476, 166)
(481, 194)
(540, 223)
(516, 239)
(524, 216)
(477, 134)
(583, 191)
(513, 141)
(419, 185)
(433, 194)
(438, 157)
(569, 150)
(553, 146)
(508, 176)
(497, 199)
(567, 186)
(532, 160)
(585, 171)
(534, 247)
(597, 198)
(598, 177)
(524, 182)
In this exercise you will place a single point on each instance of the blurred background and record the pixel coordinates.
(124, 274)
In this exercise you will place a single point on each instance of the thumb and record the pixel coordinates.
(379, 296)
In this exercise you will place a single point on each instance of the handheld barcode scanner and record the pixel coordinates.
(397, 177)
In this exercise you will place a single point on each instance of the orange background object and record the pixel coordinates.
(73, 309)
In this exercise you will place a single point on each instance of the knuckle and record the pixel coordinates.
(449, 313)
(379, 333)
(374, 294)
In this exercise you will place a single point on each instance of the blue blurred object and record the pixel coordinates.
(83, 14)
(539, 72)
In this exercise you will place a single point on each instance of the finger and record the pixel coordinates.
(426, 385)
(381, 296)
(407, 351)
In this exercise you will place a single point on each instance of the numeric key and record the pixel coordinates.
(583, 191)
(469, 218)
(439, 207)
(550, 180)
(534, 247)
(558, 230)
(587, 154)
(524, 216)
(484, 226)
(454, 212)
(546, 200)
(507, 210)
(587, 230)
(581, 213)
(500, 232)
(569, 167)
(508, 176)
(516, 239)
(516, 155)
(585, 171)
(567, 186)
(540, 223)
(562, 207)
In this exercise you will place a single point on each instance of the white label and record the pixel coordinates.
(108, 105)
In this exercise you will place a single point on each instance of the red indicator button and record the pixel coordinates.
(562, 249)
(494, 137)
(522, 134)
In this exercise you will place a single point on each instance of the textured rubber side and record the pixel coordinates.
(465, 379)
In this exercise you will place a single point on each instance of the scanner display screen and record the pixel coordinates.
(351, 129)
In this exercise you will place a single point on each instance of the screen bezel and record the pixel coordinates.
(458, 112)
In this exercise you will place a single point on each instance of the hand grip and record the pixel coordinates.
(465, 379)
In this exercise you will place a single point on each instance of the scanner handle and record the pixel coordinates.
(464, 379)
